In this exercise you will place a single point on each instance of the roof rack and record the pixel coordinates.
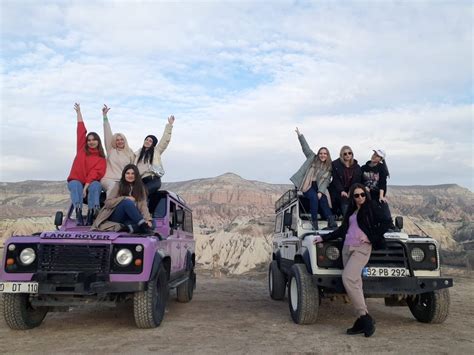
(285, 199)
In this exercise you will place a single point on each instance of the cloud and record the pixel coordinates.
(239, 77)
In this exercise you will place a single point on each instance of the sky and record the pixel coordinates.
(240, 76)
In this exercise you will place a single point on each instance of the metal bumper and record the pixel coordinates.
(77, 283)
(385, 285)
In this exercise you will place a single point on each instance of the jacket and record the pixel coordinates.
(157, 167)
(299, 176)
(338, 179)
(116, 159)
(102, 222)
(86, 168)
(375, 178)
(371, 221)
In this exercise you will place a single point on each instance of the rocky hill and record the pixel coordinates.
(233, 217)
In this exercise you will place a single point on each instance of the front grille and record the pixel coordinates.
(391, 256)
(69, 257)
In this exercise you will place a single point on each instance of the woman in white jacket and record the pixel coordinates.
(148, 158)
(119, 154)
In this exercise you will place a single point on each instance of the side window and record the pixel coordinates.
(160, 209)
(188, 222)
(294, 217)
(172, 214)
(278, 221)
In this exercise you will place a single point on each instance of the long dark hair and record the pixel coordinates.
(352, 205)
(146, 154)
(136, 188)
(99, 146)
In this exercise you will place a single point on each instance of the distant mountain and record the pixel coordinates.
(233, 217)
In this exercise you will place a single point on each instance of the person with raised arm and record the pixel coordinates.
(313, 178)
(148, 158)
(119, 154)
(88, 168)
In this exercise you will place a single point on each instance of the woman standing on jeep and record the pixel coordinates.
(148, 158)
(126, 205)
(87, 169)
(362, 229)
(313, 178)
(119, 154)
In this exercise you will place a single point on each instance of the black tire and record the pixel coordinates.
(19, 313)
(303, 297)
(149, 306)
(430, 307)
(184, 292)
(276, 282)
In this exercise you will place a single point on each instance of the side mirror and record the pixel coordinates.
(399, 222)
(58, 219)
(179, 217)
(287, 220)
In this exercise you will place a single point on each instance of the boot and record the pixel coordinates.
(90, 216)
(368, 324)
(332, 222)
(144, 229)
(79, 218)
(133, 228)
(315, 224)
(357, 328)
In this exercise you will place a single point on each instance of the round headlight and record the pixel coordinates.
(27, 256)
(12, 247)
(124, 257)
(417, 254)
(138, 248)
(332, 253)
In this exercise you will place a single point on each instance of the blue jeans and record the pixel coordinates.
(93, 193)
(126, 213)
(317, 205)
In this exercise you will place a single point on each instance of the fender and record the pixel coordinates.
(277, 257)
(190, 260)
(159, 259)
(302, 257)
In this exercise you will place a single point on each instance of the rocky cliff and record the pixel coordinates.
(233, 217)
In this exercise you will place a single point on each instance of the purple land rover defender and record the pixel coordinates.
(74, 266)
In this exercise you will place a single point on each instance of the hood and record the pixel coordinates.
(80, 235)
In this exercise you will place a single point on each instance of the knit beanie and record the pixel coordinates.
(155, 140)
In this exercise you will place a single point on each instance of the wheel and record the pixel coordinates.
(19, 313)
(276, 282)
(303, 297)
(149, 306)
(184, 292)
(430, 307)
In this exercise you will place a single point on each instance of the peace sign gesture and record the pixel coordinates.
(105, 109)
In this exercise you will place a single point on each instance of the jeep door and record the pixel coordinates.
(174, 238)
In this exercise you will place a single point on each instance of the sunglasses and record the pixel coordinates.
(362, 194)
(347, 153)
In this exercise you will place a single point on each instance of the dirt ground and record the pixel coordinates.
(236, 315)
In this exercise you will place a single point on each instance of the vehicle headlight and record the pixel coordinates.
(332, 253)
(27, 256)
(417, 254)
(124, 257)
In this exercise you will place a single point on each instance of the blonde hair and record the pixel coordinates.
(341, 154)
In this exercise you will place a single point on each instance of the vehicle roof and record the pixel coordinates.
(286, 199)
(175, 197)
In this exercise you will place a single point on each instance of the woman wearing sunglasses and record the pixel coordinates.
(345, 172)
(313, 178)
(362, 229)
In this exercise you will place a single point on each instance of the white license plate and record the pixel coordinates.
(385, 272)
(18, 287)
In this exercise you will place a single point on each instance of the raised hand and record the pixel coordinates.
(297, 131)
(105, 109)
(171, 119)
(77, 107)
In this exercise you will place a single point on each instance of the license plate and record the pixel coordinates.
(18, 287)
(385, 272)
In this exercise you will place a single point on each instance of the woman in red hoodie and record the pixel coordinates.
(87, 169)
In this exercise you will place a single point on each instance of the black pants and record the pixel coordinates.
(152, 184)
(339, 204)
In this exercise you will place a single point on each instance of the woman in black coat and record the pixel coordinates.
(362, 229)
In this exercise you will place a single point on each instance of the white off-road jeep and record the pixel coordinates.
(405, 273)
